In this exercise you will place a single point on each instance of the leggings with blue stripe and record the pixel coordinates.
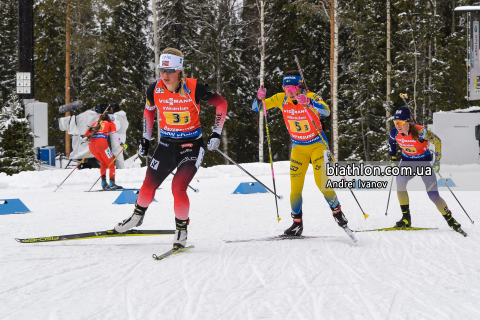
(430, 185)
(299, 161)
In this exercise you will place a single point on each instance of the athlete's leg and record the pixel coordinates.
(320, 174)
(99, 149)
(299, 160)
(161, 165)
(402, 194)
(432, 192)
(188, 164)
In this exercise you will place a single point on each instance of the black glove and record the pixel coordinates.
(143, 149)
(213, 141)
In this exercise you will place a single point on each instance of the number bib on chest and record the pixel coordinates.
(299, 125)
(179, 116)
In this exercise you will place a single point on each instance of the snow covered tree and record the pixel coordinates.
(16, 139)
(8, 47)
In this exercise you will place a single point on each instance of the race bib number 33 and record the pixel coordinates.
(177, 118)
(299, 126)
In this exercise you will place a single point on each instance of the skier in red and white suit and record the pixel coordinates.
(98, 134)
(181, 144)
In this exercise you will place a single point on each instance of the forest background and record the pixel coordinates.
(112, 60)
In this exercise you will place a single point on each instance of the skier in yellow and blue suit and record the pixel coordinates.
(301, 111)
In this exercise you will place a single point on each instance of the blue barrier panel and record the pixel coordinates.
(9, 206)
(250, 187)
(449, 182)
(128, 196)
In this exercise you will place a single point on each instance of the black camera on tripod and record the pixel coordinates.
(101, 107)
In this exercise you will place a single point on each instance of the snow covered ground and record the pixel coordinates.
(432, 274)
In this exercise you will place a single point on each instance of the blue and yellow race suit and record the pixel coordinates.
(309, 143)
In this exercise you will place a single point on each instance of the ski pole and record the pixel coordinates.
(388, 201)
(455, 197)
(105, 169)
(72, 171)
(270, 152)
(228, 158)
(331, 154)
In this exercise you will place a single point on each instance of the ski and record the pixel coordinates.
(350, 234)
(463, 233)
(396, 229)
(277, 238)
(125, 189)
(98, 234)
(171, 252)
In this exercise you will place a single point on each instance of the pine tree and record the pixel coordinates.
(16, 139)
(8, 47)
(362, 123)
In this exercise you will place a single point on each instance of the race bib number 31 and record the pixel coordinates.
(177, 118)
(299, 126)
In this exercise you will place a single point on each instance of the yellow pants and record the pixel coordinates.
(301, 156)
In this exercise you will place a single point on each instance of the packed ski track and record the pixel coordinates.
(425, 274)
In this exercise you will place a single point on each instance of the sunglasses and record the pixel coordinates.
(399, 122)
(167, 70)
(292, 89)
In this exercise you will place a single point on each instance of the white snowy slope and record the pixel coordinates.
(433, 274)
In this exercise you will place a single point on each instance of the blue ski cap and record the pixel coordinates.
(403, 114)
(292, 80)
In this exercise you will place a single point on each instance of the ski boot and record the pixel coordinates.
(105, 185)
(453, 223)
(135, 220)
(297, 227)
(339, 217)
(343, 222)
(406, 220)
(113, 186)
(180, 239)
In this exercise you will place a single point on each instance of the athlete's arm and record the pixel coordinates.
(392, 141)
(149, 112)
(317, 104)
(272, 102)
(113, 131)
(205, 93)
(433, 138)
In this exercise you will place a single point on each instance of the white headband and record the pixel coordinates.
(168, 60)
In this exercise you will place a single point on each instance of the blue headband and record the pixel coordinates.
(292, 80)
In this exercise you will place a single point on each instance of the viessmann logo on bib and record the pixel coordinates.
(293, 111)
(171, 101)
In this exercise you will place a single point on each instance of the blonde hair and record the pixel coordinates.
(181, 76)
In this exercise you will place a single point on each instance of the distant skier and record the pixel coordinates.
(414, 140)
(307, 145)
(98, 134)
(181, 144)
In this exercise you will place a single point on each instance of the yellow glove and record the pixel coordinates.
(393, 159)
(124, 146)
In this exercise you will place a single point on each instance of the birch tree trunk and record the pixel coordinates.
(157, 75)
(335, 80)
(389, 68)
(221, 12)
(262, 79)
(67, 77)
